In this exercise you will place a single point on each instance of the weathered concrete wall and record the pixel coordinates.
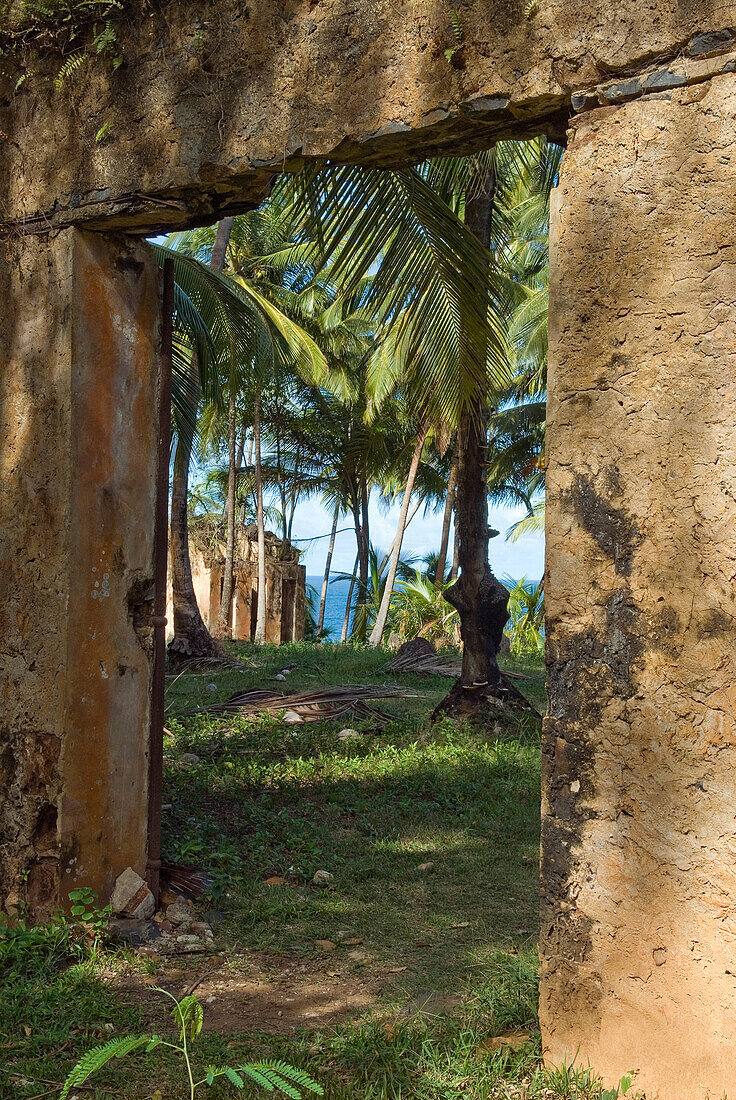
(639, 831)
(77, 441)
(213, 97)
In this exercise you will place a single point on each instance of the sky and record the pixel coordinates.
(524, 558)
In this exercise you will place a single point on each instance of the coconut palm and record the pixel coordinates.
(248, 333)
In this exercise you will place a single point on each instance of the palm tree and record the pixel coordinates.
(275, 339)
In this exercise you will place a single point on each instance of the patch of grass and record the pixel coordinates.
(267, 800)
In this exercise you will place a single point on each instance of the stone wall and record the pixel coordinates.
(212, 98)
(283, 624)
(639, 831)
(77, 430)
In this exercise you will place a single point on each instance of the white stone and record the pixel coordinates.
(131, 896)
(179, 913)
(348, 735)
(292, 717)
(322, 878)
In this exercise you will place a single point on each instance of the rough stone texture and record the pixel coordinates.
(213, 97)
(286, 583)
(639, 829)
(77, 434)
(131, 896)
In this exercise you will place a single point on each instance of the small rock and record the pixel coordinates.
(325, 945)
(189, 758)
(131, 896)
(280, 677)
(212, 687)
(359, 956)
(200, 926)
(214, 916)
(134, 932)
(179, 913)
(285, 671)
(424, 867)
(292, 717)
(322, 878)
(185, 938)
(348, 735)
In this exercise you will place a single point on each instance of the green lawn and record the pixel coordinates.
(428, 966)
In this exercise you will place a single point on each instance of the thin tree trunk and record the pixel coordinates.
(410, 517)
(260, 636)
(224, 627)
(346, 620)
(191, 636)
(455, 549)
(365, 539)
(449, 506)
(328, 563)
(380, 624)
(480, 599)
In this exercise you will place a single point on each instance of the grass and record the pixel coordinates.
(447, 956)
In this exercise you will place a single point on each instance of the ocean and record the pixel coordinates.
(337, 596)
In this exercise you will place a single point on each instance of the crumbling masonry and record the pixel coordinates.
(639, 818)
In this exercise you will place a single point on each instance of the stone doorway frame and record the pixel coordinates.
(638, 897)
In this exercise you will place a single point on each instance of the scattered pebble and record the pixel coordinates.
(279, 676)
(212, 687)
(348, 735)
(325, 945)
(179, 913)
(189, 758)
(292, 717)
(423, 867)
(322, 878)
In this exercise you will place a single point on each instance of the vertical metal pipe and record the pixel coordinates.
(158, 687)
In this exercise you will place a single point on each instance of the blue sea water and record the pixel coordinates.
(337, 596)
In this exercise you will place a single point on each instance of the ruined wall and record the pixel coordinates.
(77, 429)
(639, 829)
(214, 97)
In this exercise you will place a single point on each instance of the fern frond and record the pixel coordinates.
(457, 27)
(280, 1074)
(189, 1013)
(72, 62)
(96, 1058)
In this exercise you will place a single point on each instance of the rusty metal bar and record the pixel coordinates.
(158, 619)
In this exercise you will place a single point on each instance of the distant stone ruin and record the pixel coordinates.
(286, 583)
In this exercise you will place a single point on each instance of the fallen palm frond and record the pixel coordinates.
(427, 664)
(309, 706)
(435, 664)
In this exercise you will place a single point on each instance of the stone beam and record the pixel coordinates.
(639, 833)
(213, 98)
(78, 417)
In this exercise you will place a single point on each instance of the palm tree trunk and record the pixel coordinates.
(346, 620)
(328, 563)
(452, 577)
(260, 636)
(449, 505)
(224, 627)
(191, 636)
(479, 598)
(380, 624)
(365, 538)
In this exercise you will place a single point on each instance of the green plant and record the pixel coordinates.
(457, 30)
(525, 629)
(272, 1076)
(87, 913)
